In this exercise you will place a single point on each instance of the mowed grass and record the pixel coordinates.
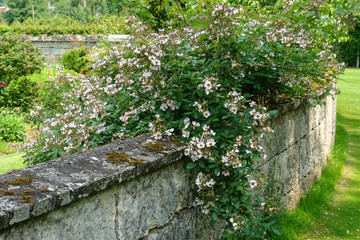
(331, 210)
(10, 162)
(9, 158)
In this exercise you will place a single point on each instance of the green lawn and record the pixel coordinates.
(332, 208)
(9, 159)
(10, 162)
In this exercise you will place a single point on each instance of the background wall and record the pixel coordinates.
(53, 47)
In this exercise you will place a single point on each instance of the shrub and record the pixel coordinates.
(17, 58)
(75, 60)
(206, 84)
(58, 25)
(8, 148)
(348, 51)
(12, 127)
(72, 119)
(19, 93)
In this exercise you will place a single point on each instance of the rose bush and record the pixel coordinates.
(18, 59)
(209, 84)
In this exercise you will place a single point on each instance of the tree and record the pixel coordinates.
(349, 51)
(3, 3)
(22, 9)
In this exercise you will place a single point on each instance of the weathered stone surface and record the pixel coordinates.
(70, 178)
(91, 218)
(297, 150)
(128, 210)
(187, 224)
(151, 201)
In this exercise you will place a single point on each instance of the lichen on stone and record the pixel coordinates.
(27, 179)
(45, 190)
(117, 158)
(26, 199)
(27, 192)
(7, 192)
(157, 147)
(176, 142)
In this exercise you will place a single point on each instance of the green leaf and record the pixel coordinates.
(190, 165)
(212, 166)
(276, 230)
(201, 164)
(214, 216)
(273, 112)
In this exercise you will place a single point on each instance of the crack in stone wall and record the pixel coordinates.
(116, 195)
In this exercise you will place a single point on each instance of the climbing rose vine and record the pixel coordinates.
(207, 84)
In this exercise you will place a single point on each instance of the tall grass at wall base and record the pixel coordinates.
(320, 195)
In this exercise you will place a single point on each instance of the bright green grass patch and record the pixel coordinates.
(11, 162)
(331, 210)
(6, 148)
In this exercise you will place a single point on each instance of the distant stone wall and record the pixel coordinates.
(84, 196)
(53, 47)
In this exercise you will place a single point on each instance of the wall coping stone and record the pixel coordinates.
(296, 103)
(67, 179)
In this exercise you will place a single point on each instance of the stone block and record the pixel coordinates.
(189, 224)
(151, 201)
(91, 218)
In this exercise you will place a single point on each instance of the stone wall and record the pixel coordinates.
(53, 47)
(84, 196)
(297, 150)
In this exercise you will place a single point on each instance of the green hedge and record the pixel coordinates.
(57, 25)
